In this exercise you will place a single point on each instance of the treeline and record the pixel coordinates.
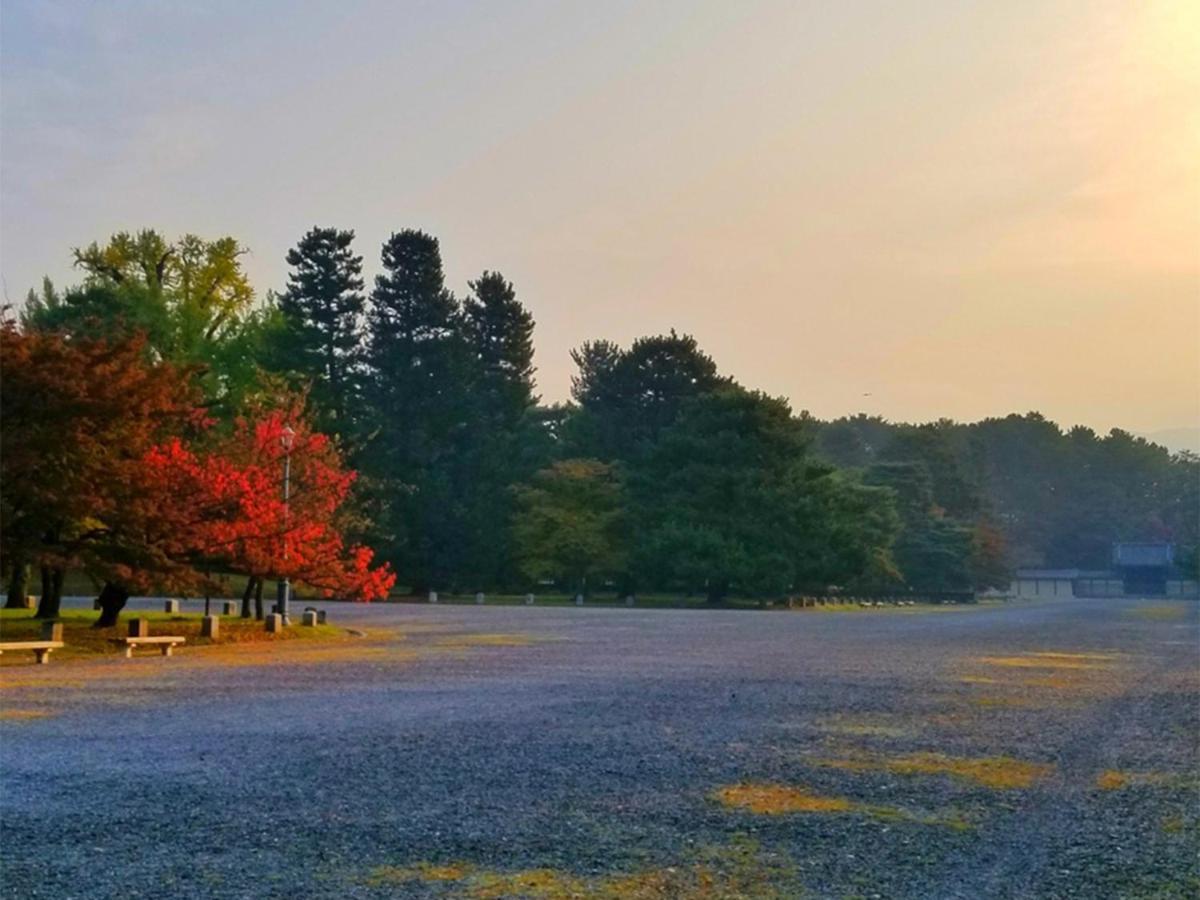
(660, 474)
(1060, 499)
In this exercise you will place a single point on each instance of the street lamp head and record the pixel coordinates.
(287, 437)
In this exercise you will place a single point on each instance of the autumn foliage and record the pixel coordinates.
(245, 525)
(110, 465)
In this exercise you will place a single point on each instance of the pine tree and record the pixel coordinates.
(417, 387)
(505, 446)
(323, 307)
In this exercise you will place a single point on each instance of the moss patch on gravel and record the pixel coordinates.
(995, 772)
(739, 870)
(781, 799)
(778, 799)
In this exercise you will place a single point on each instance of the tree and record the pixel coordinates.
(931, 551)
(78, 416)
(322, 309)
(988, 565)
(189, 299)
(506, 443)
(728, 500)
(417, 393)
(627, 397)
(238, 520)
(569, 523)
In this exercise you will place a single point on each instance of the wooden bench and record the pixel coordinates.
(41, 649)
(165, 641)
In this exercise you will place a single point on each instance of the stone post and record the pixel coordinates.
(629, 599)
(274, 623)
(479, 598)
(529, 599)
(433, 596)
(229, 608)
(52, 631)
(210, 627)
(310, 618)
(139, 628)
(321, 617)
(579, 599)
(171, 606)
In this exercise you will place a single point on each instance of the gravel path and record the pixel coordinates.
(460, 750)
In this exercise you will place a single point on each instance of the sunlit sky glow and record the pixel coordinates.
(960, 209)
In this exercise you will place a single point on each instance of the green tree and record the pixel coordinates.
(507, 443)
(931, 551)
(416, 422)
(626, 398)
(569, 524)
(728, 500)
(190, 299)
(322, 311)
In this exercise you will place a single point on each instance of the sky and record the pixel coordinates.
(918, 210)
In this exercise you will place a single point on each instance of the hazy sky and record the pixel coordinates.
(960, 208)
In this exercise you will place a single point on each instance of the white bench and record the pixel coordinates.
(41, 649)
(165, 641)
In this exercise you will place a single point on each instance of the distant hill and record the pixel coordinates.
(1176, 439)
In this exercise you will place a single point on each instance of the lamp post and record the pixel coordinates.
(286, 439)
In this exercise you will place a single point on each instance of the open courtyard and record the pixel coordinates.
(1018, 750)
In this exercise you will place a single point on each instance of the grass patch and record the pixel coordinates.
(995, 772)
(778, 799)
(23, 715)
(740, 870)
(84, 642)
(1116, 779)
(1038, 661)
(782, 800)
(863, 728)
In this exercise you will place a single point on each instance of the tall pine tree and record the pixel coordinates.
(322, 308)
(417, 387)
(506, 445)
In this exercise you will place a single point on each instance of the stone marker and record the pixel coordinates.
(229, 608)
(139, 628)
(529, 599)
(321, 617)
(31, 602)
(579, 599)
(171, 606)
(210, 627)
(479, 598)
(629, 600)
(433, 596)
(52, 631)
(274, 623)
(310, 618)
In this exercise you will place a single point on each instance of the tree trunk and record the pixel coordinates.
(717, 589)
(51, 600)
(258, 606)
(112, 600)
(18, 585)
(246, 595)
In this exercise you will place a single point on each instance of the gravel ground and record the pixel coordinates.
(591, 743)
